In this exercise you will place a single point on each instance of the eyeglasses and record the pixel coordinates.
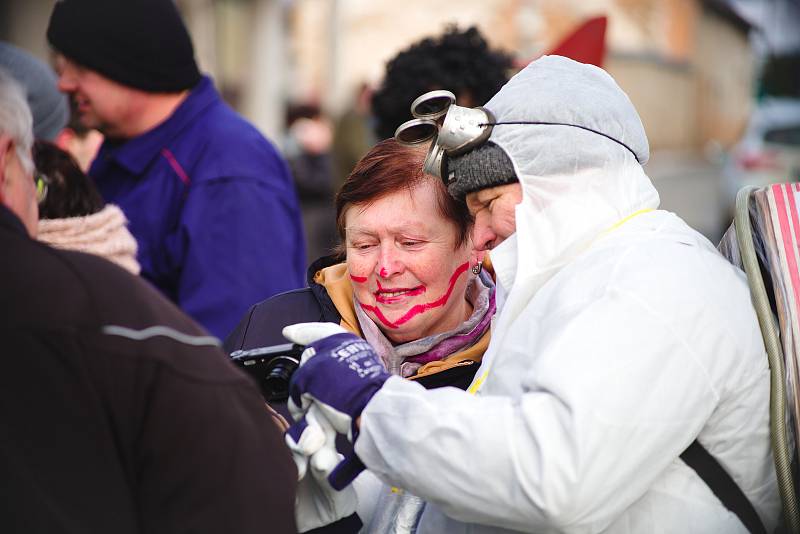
(41, 182)
(454, 129)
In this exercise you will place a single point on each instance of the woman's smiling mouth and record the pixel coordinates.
(392, 295)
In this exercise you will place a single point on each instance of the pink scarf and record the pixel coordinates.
(104, 234)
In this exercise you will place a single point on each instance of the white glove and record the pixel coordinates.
(305, 441)
(317, 503)
(307, 333)
(338, 382)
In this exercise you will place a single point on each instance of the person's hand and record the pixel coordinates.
(311, 436)
(339, 374)
(307, 333)
(310, 442)
(317, 503)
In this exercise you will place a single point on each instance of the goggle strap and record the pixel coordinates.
(564, 124)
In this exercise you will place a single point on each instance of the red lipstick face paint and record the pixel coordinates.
(358, 279)
(418, 308)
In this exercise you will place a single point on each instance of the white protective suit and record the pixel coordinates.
(623, 336)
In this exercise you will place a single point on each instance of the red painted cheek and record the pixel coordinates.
(419, 308)
(358, 279)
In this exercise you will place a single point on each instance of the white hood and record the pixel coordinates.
(576, 182)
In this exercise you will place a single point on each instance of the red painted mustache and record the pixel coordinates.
(418, 308)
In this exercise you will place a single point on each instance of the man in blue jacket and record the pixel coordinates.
(209, 199)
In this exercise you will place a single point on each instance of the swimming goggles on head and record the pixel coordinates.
(454, 130)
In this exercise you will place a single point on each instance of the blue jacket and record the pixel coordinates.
(212, 205)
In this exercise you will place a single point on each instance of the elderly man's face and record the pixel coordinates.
(493, 209)
(101, 103)
(17, 189)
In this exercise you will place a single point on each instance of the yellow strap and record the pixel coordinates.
(476, 385)
(626, 219)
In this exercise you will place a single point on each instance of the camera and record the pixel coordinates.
(271, 367)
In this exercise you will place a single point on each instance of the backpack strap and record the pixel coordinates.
(723, 486)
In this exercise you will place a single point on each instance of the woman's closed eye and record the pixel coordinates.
(411, 243)
(362, 245)
(475, 208)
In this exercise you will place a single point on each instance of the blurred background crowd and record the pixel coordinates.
(717, 82)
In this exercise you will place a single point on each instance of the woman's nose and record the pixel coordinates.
(389, 263)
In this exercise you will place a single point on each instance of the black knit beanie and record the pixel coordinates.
(139, 43)
(481, 168)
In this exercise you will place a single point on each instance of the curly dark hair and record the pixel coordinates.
(459, 61)
(70, 192)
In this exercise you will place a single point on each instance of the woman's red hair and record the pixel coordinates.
(390, 167)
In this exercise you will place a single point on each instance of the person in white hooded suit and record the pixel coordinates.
(621, 338)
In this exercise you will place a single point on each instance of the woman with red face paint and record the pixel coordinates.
(406, 278)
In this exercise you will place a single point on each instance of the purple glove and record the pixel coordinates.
(339, 374)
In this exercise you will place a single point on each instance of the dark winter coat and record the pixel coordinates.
(118, 413)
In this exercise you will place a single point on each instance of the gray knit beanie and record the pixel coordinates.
(480, 168)
(48, 106)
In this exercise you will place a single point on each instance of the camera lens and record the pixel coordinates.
(276, 380)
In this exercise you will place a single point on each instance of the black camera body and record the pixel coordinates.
(271, 367)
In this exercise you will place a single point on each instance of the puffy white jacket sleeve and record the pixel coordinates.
(596, 402)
